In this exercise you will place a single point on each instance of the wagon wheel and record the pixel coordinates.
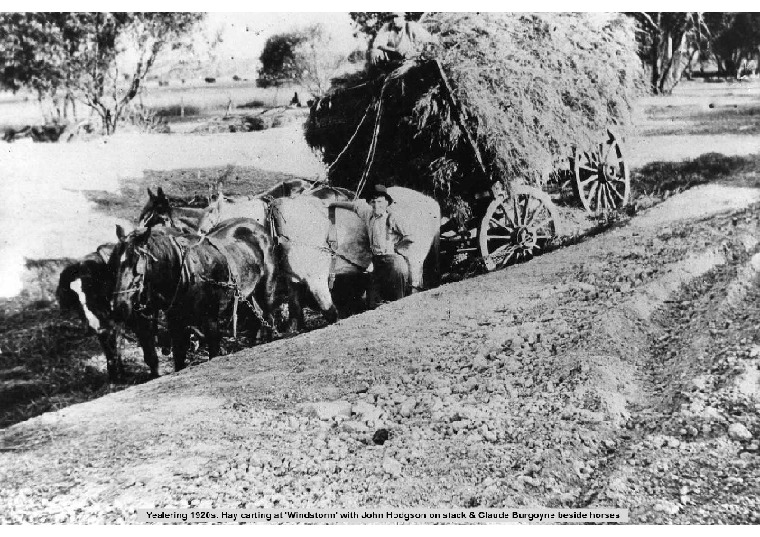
(517, 228)
(601, 177)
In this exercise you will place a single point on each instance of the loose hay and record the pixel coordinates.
(526, 88)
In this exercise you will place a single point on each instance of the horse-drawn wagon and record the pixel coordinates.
(408, 127)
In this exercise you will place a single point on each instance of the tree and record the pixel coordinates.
(278, 59)
(664, 39)
(737, 40)
(33, 55)
(100, 59)
(317, 61)
(306, 56)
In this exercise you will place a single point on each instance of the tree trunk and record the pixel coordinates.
(674, 71)
(655, 59)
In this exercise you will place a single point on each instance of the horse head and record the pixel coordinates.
(225, 208)
(130, 264)
(157, 212)
(212, 215)
(84, 287)
(328, 193)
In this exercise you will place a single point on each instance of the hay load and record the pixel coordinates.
(498, 98)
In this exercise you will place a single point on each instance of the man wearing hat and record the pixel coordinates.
(397, 40)
(390, 278)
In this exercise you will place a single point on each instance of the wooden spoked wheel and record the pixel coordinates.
(601, 177)
(518, 227)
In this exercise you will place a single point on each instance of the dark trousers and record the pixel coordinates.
(390, 279)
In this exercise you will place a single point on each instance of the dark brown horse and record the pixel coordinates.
(158, 211)
(194, 280)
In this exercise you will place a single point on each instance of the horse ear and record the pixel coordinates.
(160, 192)
(150, 194)
(120, 232)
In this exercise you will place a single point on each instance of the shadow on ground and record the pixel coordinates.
(666, 178)
(184, 187)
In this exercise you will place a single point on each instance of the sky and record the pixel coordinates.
(249, 31)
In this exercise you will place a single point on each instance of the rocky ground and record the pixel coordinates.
(621, 371)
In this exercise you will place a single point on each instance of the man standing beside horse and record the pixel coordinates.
(387, 236)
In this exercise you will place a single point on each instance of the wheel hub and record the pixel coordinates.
(604, 173)
(526, 238)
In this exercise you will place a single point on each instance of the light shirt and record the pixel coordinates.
(384, 231)
(407, 41)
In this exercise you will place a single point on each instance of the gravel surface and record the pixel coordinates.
(621, 371)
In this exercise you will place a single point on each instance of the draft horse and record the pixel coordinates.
(194, 281)
(158, 211)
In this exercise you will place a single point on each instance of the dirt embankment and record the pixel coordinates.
(588, 376)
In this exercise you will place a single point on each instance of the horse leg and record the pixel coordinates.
(348, 293)
(109, 341)
(320, 290)
(268, 303)
(144, 329)
(295, 307)
(180, 340)
(213, 337)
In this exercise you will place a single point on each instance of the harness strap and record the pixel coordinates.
(332, 233)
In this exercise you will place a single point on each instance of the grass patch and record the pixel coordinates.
(715, 118)
(47, 360)
(184, 187)
(176, 110)
(657, 178)
(256, 103)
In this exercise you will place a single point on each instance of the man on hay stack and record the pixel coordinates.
(398, 40)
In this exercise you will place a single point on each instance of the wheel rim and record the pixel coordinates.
(601, 177)
(517, 228)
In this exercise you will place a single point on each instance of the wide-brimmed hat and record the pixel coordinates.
(379, 190)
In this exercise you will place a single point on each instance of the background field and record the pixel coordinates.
(199, 99)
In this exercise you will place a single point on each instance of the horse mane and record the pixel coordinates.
(164, 246)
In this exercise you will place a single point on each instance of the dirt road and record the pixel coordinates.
(621, 371)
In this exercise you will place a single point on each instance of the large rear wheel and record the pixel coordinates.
(601, 176)
(518, 227)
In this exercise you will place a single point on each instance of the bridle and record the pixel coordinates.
(138, 283)
(155, 218)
